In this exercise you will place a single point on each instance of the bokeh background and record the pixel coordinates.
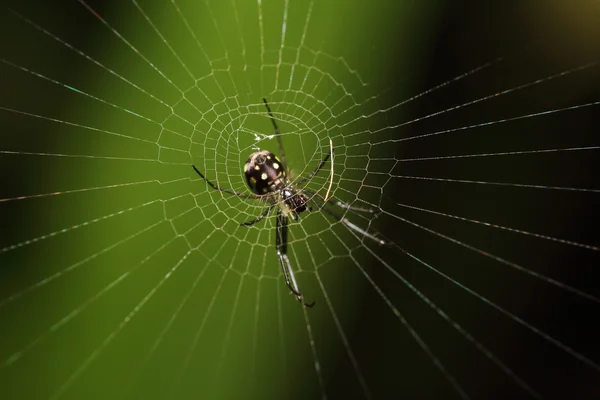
(122, 275)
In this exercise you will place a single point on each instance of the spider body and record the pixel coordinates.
(294, 200)
(266, 175)
(268, 179)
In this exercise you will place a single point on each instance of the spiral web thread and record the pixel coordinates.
(215, 120)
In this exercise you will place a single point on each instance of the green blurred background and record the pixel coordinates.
(124, 276)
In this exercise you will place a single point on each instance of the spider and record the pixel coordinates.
(268, 178)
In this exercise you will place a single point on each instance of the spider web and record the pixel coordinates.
(124, 275)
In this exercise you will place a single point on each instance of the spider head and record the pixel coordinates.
(264, 172)
(296, 201)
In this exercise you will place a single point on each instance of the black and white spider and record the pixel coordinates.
(268, 178)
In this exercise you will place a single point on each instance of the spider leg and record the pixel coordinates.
(212, 185)
(286, 267)
(277, 136)
(316, 171)
(340, 203)
(349, 224)
(346, 206)
(260, 217)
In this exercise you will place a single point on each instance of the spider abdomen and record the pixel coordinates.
(264, 172)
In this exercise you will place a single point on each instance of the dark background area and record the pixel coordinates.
(524, 42)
